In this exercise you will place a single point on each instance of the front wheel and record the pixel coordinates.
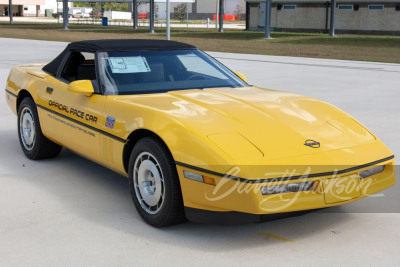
(154, 184)
(33, 143)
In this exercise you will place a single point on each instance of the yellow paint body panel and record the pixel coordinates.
(233, 195)
(341, 189)
(256, 132)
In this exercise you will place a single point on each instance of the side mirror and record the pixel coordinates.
(82, 86)
(241, 76)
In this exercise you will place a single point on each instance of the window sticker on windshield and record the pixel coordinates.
(128, 64)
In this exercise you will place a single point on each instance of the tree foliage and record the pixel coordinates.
(156, 11)
(180, 11)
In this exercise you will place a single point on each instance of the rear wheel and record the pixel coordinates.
(154, 184)
(33, 143)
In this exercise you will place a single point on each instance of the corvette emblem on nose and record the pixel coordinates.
(312, 143)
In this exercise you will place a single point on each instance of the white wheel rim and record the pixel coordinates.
(148, 181)
(27, 129)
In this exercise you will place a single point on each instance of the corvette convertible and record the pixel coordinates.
(195, 140)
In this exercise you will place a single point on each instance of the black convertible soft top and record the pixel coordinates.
(114, 45)
(127, 45)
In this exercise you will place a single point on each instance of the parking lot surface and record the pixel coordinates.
(69, 211)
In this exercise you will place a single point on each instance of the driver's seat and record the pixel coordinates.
(70, 72)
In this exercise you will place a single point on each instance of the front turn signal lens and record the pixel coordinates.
(199, 178)
(209, 180)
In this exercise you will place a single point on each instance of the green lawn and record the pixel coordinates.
(349, 47)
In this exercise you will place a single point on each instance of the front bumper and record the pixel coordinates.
(232, 218)
(233, 200)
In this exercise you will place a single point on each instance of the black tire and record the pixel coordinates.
(37, 147)
(151, 155)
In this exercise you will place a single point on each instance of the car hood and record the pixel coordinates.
(254, 123)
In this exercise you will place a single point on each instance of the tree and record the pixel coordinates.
(156, 9)
(180, 12)
(238, 11)
(111, 6)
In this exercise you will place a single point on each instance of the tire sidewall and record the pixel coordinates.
(169, 173)
(28, 103)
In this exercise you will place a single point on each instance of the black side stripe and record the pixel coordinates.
(14, 95)
(83, 124)
(267, 180)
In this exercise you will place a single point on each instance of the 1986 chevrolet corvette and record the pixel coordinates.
(195, 139)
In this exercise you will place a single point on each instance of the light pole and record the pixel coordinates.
(151, 16)
(216, 15)
(168, 22)
(187, 15)
(10, 11)
(135, 14)
(333, 9)
(65, 14)
(267, 19)
(58, 14)
(221, 16)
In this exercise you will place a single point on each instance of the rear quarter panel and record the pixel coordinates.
(23, 77)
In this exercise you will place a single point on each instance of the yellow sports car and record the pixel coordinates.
(195, 140)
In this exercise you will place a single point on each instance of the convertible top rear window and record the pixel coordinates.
(140, 72)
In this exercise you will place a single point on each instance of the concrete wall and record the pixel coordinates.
(304, 17)
(387, 19)
(230, 6)
(206, 6)
(254, 16)
(313, 17)
(30, 10)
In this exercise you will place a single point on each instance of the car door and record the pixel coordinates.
(68, 118)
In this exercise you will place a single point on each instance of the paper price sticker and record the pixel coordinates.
(128, 64)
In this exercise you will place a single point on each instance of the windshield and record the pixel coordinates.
(141, 72)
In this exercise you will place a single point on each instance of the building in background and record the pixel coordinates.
(200, 9)
(22, 7)
(33, 8)
(362, 16)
